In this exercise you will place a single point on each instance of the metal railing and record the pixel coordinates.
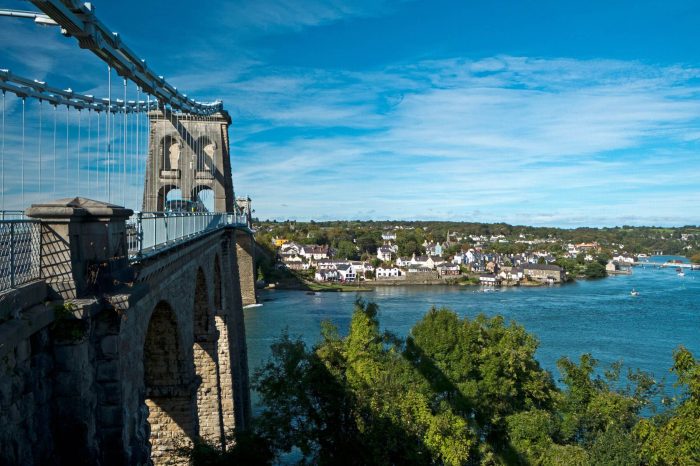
(20, 252)
(150, 232)
(12, 215)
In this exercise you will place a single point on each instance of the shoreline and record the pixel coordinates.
(370, 285)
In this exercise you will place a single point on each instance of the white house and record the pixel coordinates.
(433, 249)
(489, 279)
(448, 269)
(361, 267)
(389, 236)
(326, 276)
(292, 261)
(384, 253)
(346, 273)
(388, 272)
(291, 248)
(313, 251)
(403, 261)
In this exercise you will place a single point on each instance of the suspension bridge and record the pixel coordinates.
(125, 263)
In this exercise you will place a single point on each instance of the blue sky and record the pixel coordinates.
(527, 112)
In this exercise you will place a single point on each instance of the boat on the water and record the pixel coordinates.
(634, 292)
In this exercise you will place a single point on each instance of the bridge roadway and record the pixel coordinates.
(115, 362)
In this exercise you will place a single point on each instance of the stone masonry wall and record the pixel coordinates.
(119, 382)
(25, 402)
(245, 251)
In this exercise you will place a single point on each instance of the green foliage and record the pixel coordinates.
(595, 270)
(458, 391)
(675, 438)
(347, 250)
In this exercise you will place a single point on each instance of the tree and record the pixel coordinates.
(595, 270)
(457, 391)
(675, 438)
(346, 250)
(356, 400)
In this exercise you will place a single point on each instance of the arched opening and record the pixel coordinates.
(206, 366)
(203, 197)
(170, 151)
(166, 193)
(168, 397)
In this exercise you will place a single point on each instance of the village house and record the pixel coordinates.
(618, 268)
(415, 268)
(403, 262)
(290, 247)
(384, 253)
(544, 273)
(432, 249)
(361, 267)
(326, 276)
(315, 252)
(448, 269)
(292, 261)
(326, 264)
(387, 272)
(346, 273)
(466, 258)
(429, 262)
(489, 279)
(511, 274)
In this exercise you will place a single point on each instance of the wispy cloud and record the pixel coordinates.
(270, 16)
(444, 138)
(585, 141)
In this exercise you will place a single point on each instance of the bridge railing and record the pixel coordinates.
(150, 232)
(20, 252)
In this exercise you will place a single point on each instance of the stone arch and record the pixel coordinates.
(168, 391)
(206, 365)
(163, 195)
(204, 196)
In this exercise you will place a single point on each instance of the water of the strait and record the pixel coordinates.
(589, 316)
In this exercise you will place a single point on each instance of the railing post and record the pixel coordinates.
(12, 255)
(139, 232)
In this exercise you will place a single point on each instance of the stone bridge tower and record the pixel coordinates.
(189, 153)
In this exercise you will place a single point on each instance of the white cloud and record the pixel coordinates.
(463, 136)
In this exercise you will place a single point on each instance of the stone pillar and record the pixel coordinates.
(235, 388)
(245, 252)
(83, 245)
(84, 253)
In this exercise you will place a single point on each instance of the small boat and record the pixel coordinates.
(681, 274)
(634, 292)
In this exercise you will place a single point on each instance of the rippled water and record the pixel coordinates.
(596, 316)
